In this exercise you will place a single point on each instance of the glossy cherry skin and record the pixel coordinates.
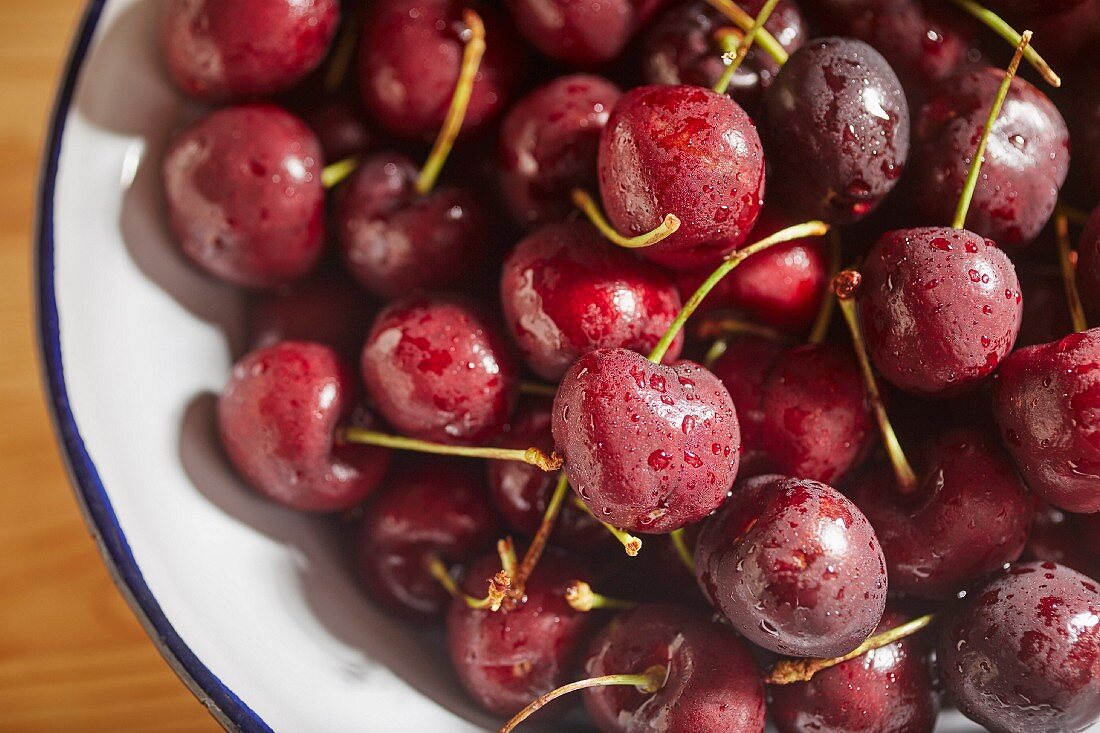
(969, 515)
(438, 370)
(225, 50)
(681, 47)
(836, 130)
(521, 492)
(244, 195)
(396, 241)
(326, 309)
(409, 60)
(1026, 161)
(794, 566)
(712, 684)
(1088, 262)
(1060, 537)
(428, 508)
(1022, 654)
(648, 447)
(548, 145)
(505, 659)
(743, 369)
(566, 291)
(940, 309)
(886, 690)
(1047, 403)
(686, 151)
(580, 32)
(277, 419)
(340, 128)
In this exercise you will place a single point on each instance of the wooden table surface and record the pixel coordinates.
(72, 656)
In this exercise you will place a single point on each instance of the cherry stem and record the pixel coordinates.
(998, 25)
(630, 543)
(824, 318)
(845, 286)
(460, 102)
(333, 174)
(647, 682)
(584, 201)
(1068, 260)
(680, 543)
(720, 329)
(340, 59)
(542, 536)
(734, 62)
(532, 456)
(1075, 215)
(802, 670)
(744, 21)
(979, 155)
(439, 571)
(799, 231)
(540, 390)
(580, 597)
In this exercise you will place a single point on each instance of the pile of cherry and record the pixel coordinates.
(583, 324)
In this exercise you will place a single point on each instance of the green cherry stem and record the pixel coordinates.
(734, 62)
(342, 52)
(680, 543)
(537, 389)
(531, 456)
(647, 682)
(580, 597)
(799, 231)
(744, 21)
(333, 174)
(998, 25)
(1068, 260)
(825, 312)
(802, 670)
(630, 543)
(443, 576)
(584, 201)
(979, 155)
(542, 536)
(456, 113)
(845, 286)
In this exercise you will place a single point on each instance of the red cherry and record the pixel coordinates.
(326, 309)
(1060, 537)
(340, 128)
(277, 418)
(581, 33)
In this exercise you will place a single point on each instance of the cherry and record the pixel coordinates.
(1088, 263)
(580, 33)
(684, 47)
(649, 448)
(438, 370)
(1022, 654)
(1059, 537)
(507, 657)
(794, 566)
(940, 309)
(1075, 31)
(548, 145)
(709, 682)
(836, 128)
(565, 292)
(409, 62)
(431, 511)
(1046, 315)
(325, 309)
(244, 195)
(522, 493)
(968, 515)
(887, 689)
(1026, 161)
(277, 418)
(1029, 8)
(226, 50)
(1046, 401)
(340, 128)
(686, 151)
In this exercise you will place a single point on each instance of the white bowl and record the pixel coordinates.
(252, 605)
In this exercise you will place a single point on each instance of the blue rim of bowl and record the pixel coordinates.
(223, 703)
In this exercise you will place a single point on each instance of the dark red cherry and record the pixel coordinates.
(1030, 8)
(277, 418)
(409, 60)
(566, 291)
(1070, 33)
(326, 309)
(1061, 537)
(507, 658)
(969, 515)
(686, 151)
(940, 308)
(244, 195)
(521, 492)
(583, 33)
(396, 240)
(225, 50)
(439, 370)
(648, 447)
(1022, 654)
(1088, 262)
(794, 566)
(340, 128)
(682, 47)
(548, 145)
(888, 690)
(1046, 315)
(712, 684)
(1047, 404)
(836, 130)
(431, 508)
(1026, 160)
